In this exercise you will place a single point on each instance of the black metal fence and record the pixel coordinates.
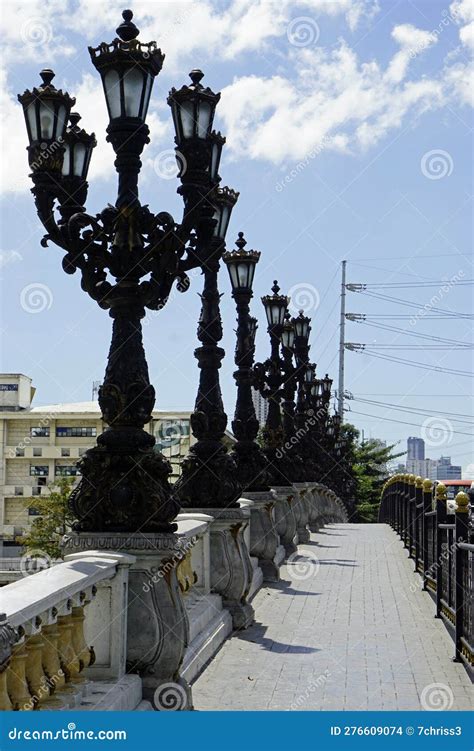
(440, 540)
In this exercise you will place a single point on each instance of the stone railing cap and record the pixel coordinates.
(192, 527)
(28, 597)
(120, 558)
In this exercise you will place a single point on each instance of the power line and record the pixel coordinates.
(365, 346)
(420, 410)
(401, 422)
(410, 304)
(416, 364)
(418, 347)
(428, 283)
(386, 327)
(401, 317)
(418, 396)
(413, 257)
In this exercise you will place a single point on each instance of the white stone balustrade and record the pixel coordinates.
(155, 614)
(68, 635)
(209, 622)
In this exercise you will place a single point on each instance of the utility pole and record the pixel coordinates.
(340, 392)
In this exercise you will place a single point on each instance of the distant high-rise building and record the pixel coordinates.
(261, 406)
(447, 471)
(415, 448)
(422, 468)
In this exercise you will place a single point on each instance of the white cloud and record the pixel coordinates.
(459, 79)
(8, 257)
(354, 11)
(14, 170)
(462, 10)
(334, 96)
(463, 13)
(412, 42)
(316, 94)
(466, 35)
(31, 31)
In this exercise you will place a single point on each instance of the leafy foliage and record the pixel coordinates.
(370, 468)
(53, 521)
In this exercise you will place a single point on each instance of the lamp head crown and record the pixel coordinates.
(127, 30)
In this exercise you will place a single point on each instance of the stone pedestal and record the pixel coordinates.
(285, 520)
(157, 622)
(301, 509)
(230, 566)
(314, 503)
(264, 538)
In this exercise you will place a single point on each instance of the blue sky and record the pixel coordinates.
(349, 135)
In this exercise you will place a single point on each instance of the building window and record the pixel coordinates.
(18, 490)
(81, 452)
(36, 491)
(37, 452)
(65, 452)
(39, 432)
(19, 452)
(32, 511)
(76, 432)
(39, 470)
(68, 470)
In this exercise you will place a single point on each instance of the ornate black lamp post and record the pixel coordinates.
(269, 379)
(301, 347)
(289, 383)
(304, 416)
(251, 462)
(128, 258)
(209, 473)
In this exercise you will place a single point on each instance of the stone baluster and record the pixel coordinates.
(264, 538)
(8, 637)
(17, 685)
(44, 670)
(285, 520)
(301, 509)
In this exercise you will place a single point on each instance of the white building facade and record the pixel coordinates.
(40, 444)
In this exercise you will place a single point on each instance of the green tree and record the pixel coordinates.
(370, 468)
(53, 521)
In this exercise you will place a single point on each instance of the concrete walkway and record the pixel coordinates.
(348, 627)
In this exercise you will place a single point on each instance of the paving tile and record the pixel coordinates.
(368, 640)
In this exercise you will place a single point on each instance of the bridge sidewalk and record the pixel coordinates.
(347, 628)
